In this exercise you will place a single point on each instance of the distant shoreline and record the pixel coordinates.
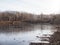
(17, 18)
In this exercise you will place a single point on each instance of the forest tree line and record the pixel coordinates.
(12, 17)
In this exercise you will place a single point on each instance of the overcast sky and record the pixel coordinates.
(31, 6)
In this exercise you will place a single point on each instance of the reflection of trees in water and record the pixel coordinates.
(25, 27)
(22, 27)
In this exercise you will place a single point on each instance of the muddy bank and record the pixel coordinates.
(55, 38)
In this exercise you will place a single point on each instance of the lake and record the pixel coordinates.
(26, 34)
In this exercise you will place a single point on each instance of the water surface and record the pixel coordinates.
(25, 35)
